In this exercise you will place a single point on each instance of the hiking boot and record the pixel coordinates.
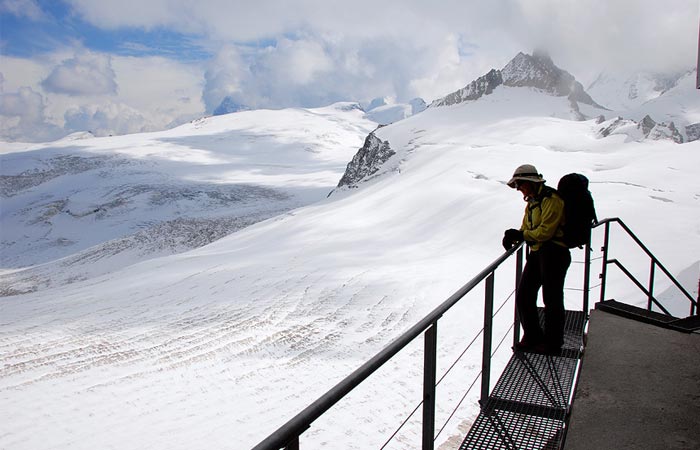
(526, 345)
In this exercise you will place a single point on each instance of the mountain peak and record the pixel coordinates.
(538, 71)
(535, 71)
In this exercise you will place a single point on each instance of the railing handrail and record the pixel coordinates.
(655, 260)
(303, 420)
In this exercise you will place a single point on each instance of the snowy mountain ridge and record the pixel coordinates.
(536, 71)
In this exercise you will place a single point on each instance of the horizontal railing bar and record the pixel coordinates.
(650, 254)
(299, 423)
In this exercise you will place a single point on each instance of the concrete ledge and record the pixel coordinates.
(639, 388)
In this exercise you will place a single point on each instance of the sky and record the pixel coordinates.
(127, 66)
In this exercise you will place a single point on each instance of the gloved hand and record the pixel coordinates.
(512, 237)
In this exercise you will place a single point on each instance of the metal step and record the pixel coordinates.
(686, 325)
(529, 405)
(634, 312)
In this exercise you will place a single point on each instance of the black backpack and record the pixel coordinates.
(579, 210)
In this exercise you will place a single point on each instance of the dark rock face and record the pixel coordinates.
(367, 161)
(646, 125)
(229, 105)
(476, 89)
(693, 132)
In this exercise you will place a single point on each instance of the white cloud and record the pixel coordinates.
(23, 116)
(22, 8)
(579, 34)
(106, 119)
(154, 93)
(163, 90)
(86, 74)
(298, 61)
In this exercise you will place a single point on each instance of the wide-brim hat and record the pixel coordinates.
(526, 172)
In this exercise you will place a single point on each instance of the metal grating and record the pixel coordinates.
(507, 430)
(529, 405)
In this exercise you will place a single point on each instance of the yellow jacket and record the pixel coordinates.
(544, 217)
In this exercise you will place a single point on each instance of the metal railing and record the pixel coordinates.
(649, 289)
(287, 436)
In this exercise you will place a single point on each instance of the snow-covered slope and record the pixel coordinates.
(218, 346)
(82, 206)
(630, 91)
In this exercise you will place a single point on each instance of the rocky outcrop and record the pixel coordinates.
(647, 128)
(367, 161)
(692, 132)
(646, 125)
(659, 131)
(665, 131)
(476, 89)
(608, 129)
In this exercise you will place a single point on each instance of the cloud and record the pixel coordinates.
(85, 74)
(154, 93)
(23, 116)
(225, 76)
(106, 119)
(22, 8)
(596, 33)
(315, 70)
(307, 53)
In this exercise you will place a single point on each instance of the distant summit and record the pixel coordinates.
(534, 71)
(384, 110)
(229, 105)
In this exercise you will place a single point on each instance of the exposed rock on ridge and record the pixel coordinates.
(367, 161)
(647, 128)
(473, 91)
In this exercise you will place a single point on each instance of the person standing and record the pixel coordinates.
(546, 265)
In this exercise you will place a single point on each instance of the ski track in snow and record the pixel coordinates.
(194, 335)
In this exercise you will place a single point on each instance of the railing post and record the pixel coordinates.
(586, 276)
(518, 276)
(293, 444)
(604, 272)
(488, 331)
(429, 374)
(651, 283)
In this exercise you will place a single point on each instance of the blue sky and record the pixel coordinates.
(125, 66)
(27, 36)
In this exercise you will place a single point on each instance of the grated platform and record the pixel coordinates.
(529, 405)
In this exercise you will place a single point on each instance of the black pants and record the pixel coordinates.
(544, 268)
